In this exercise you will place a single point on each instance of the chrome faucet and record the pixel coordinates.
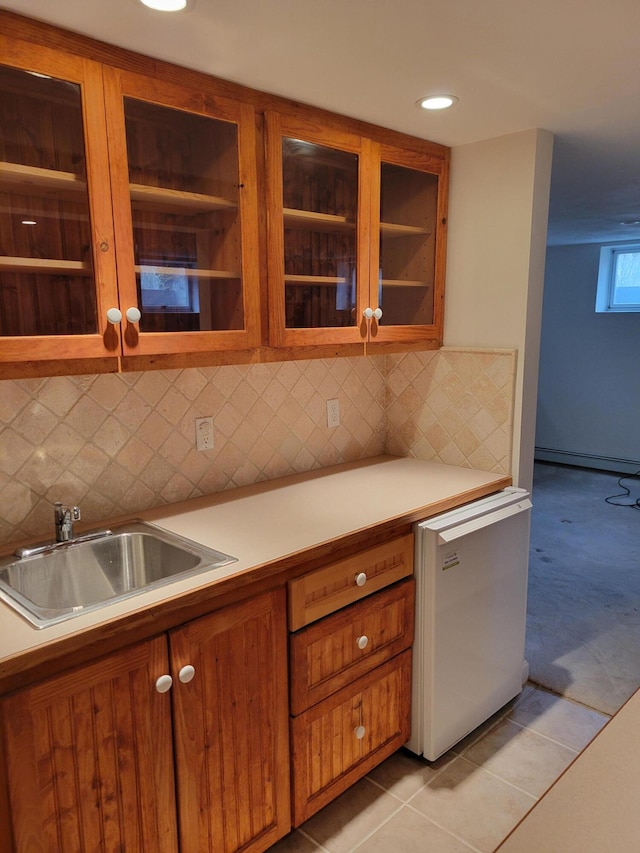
(65, 516)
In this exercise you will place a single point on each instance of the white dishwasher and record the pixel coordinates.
(471, 600)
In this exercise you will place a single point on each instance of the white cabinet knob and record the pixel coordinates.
(133, 315)
(114, 315)
(368, 313)
(361, 579)
(163, 683)
(186, 674)
(362, 642)
(359, 732)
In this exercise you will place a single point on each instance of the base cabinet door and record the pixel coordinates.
(230, 718)
(89, 760)
(339, 740)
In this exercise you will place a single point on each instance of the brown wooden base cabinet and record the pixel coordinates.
(89, 754)
(338, 741)
(350, 683)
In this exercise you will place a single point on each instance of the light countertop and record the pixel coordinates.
(593, 807)
(263, 525)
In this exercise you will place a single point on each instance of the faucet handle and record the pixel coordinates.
(75, 512)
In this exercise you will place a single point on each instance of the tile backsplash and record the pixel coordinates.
(119, 443)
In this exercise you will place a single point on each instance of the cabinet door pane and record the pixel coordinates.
(320, 191)
(46, 282)
(408, 207)
(183, 174)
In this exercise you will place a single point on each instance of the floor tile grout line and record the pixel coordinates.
(373, 832)
(445, 829)
(310, 838)
(552, 739)
(534, 797)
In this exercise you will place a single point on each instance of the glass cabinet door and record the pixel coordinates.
(190, 224)
(411, 250)
(316, 260)
(320, 193)
(49, 306)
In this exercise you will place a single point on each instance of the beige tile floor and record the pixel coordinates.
(469, 799)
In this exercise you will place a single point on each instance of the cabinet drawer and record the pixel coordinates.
(319, 593)
(340, 648)
(338, 741)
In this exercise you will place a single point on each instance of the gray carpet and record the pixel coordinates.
(583, 623)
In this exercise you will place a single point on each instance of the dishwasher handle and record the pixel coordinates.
(466, 527)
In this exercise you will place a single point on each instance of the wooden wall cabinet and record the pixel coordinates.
(57, 254)
(144, 224)
(89, 755)
(350, 683)
(357, 237)
(129, 225)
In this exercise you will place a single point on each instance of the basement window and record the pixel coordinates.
(619, 279)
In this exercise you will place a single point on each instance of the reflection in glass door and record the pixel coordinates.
(183, 176)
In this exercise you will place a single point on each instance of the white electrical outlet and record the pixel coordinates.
(333, 413)
(204, 433)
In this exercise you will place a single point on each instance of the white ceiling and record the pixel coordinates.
(568, 66)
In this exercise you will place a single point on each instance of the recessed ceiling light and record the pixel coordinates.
(167, 5)
(437, 102)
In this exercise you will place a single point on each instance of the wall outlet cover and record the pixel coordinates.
(333, 413)
(204, 433)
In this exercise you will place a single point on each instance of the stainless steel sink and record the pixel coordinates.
(79, 576)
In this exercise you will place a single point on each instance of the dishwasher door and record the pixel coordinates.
(471, 599)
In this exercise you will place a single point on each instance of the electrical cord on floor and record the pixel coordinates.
(634, 504)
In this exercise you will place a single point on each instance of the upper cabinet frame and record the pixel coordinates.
(318, 237)
(369, 266)
(206, 238)
(186, 218)
(45, 276)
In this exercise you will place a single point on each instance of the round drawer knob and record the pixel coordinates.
(361, 579)
(133, 315)
(362, 642)
(163, 683)
(186, 674)
(378, 313)
(367, 313)
(359, 732)
(114, 315)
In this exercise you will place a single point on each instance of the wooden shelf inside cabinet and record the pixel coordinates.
(191, 273)
(393, 229)
(321, 280)
(401, 282)
(26, 180)
(312, 221)
(46, 266)
(177, 201)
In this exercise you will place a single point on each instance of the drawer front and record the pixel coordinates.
(326, 590)
(338, 741)
(340, 648)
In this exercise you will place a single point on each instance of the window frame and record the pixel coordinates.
(606, 286)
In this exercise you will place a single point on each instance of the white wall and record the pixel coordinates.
(589, 388)
(498, 213)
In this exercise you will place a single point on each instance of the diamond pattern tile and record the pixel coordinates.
(122, 443)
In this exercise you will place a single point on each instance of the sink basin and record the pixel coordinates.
(76, 577)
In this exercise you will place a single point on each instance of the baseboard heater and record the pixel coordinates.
(585, 460)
